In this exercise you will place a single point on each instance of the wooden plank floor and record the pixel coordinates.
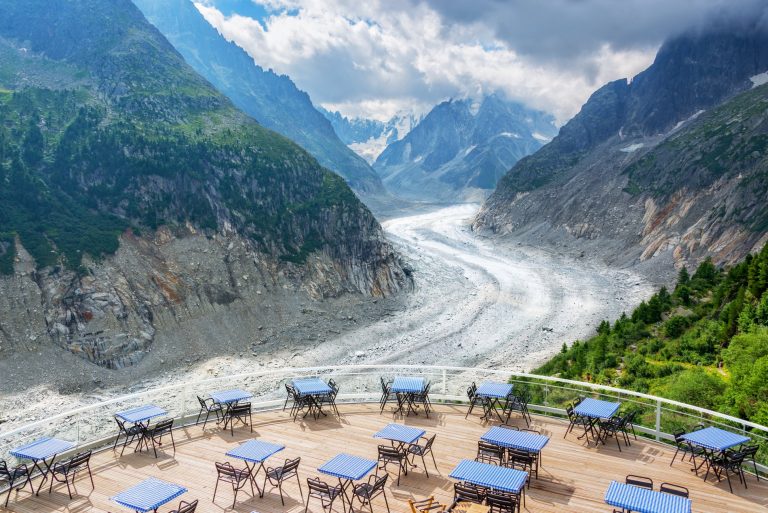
(573, 477)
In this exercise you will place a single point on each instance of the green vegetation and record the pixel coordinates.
(705, 344)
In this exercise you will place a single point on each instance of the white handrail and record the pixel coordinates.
(389, 368)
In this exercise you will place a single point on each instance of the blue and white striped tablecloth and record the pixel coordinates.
(141, 413)
(346, 466)
(42, 449)
(230, 396)
(148, 495)
(491, 476)
(643, 500)
(496, 390)
(514, 439)
(403, 384)
(596, 408)
(255, 451)
(311, 386)
(400, 433)
(715, 438)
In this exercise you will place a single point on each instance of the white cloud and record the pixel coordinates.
(377, 58)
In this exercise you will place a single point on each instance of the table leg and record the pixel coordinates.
(344, 497)
(45, 472)
(251, 466)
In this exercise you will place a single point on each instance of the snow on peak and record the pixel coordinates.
(541, 137)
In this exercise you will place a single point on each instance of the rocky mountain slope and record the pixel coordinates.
(273, 100)
(137, 204)
(671, 165)
(461, 149)
(369, 137)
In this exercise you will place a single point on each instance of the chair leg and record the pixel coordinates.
(173, 442)
(299, 482)
(425, 465)
(66, 480)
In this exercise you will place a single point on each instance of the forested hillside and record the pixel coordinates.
(705, 343)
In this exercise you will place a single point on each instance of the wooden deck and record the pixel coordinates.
(573, 477)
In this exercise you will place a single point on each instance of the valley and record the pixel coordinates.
(474, 303)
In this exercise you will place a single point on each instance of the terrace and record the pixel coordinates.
(574, 475)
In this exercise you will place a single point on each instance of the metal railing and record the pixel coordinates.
(93, 426)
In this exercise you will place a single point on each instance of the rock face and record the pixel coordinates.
(273, 100)
(136, 201)
(461, 149)
(671, 164)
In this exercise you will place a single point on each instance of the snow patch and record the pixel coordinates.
(541, 137)
(510, 134)
(759, 79)
(474, 108)
(468, 150)
(681, 123)
(419, 158)
(632, 148)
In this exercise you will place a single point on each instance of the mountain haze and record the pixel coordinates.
(671, 164)
(136, 202)
(461, 148)
(273, 100)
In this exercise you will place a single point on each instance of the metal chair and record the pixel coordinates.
(156, 433)
(749, 452)
(330, 397)
(389, 455)
(131, 434)
(62, 471)
(466, 492)
(241, 412)
(13, 475)
(323, 491)
(237, 478)
(423, 398)
(641, 481)
(205, 407)
(277, 476)
(185, 507)
(728, 463)
(523, 460)
(502, 502)
(291, 392)
(684, 446)
(489, 453)
(614, 427)
(674, 489)
(366, 492)
(422, 450)
(472, 395)
(386, 393)
(575, 419)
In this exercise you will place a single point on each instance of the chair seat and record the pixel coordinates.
(416, 449)
(363, 489)
(275, 473)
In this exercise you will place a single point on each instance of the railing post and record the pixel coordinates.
(445, 382)
(78, 430)
(184, 403)
(658, 420)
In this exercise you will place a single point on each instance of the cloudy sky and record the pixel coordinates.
(376, 57)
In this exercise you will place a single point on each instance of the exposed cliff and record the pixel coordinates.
(670, 165)
(131, 191)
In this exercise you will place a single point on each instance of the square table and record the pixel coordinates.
(595, 409)
(312, 389)
(141, 413)
(253, 452)
(230, 396)
(493, 392)
(643, 500)
(713, 440)
(399, 433)
(406, 388)
(514, 439)
(42, 450)
(148, 495)
(347, 468)
(491, 476)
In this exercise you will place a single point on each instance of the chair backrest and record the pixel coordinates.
(163, 426)
(483, 446)
(535, 431)
(318, 487)
(202, 402)
(577, 401)
(390, 453)
(384, 385)
(569, 411)
(79, 460)
(430, 441)
(463, 492)
(289, 388)
(428, 505)
(674, 489)
(225, 469)
(735, 458)
(4, 474)
(679, 436)
(379, 484)
(240, 409)
(427, 387)
(749, 451)
(697, 427)
(186, 507)
(120, 424)
(505, 426)
(290, 467)
(332, 384)
(641, 481)
(470, 393)
(501, 502)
